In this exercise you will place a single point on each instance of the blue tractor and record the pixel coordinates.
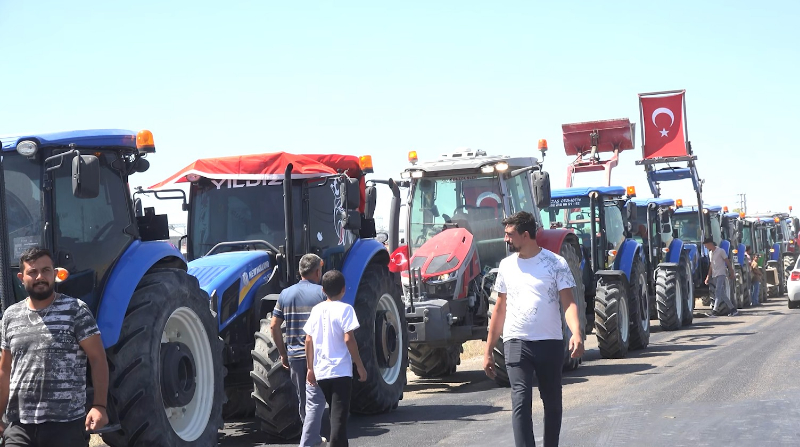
(668, 263)
(784, 251)
(732, 231)
(251, 218)
(614, 272)
(69, 192)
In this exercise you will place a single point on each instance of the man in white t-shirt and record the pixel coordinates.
(331, 350)
(719, 269)
(530, 285)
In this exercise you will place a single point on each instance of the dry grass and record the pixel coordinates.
(473, 348)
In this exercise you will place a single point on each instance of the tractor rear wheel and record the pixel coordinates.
(687, 289)
(640, 307)
(498, 354)
(739, 284)
(429, 362)
(612, 318)
(166, 372)
(382, 342)
(274, 396)
(571, 253)
(669, 298)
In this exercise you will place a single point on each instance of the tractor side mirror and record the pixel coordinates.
(351, 191)
(371, 202)
(351, 220)
(630, 210)
(541, 188)
(85, 176)
(666, 228)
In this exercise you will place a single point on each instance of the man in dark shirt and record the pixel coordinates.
(294, 307)
(45, 343)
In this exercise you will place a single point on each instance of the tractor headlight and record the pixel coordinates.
(438, 287)
(27, 148)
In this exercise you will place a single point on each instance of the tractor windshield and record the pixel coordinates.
(688, 227)
(225, 211)
(747, 236)
(471, 202)
(23, 203)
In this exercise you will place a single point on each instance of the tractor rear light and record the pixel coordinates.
(631, 191)
(145, 143)
(679, 203)
(61, 274)
(27, 148)
(795, 276)
(412, 157)
(365, 163)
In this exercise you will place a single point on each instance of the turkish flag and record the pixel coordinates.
(662, 121)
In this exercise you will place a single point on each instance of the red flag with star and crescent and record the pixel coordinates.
(662, 121)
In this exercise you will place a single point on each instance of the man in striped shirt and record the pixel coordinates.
(46, 341)
(294, 307)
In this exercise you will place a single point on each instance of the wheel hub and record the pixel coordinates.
(177, 374)
(386, 343)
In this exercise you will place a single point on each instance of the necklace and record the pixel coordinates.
(42, 317)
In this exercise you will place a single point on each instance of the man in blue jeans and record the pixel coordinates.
(294, 307)
(530, 285)
(719, 270)
(755, 275)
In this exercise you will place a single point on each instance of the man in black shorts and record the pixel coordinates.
(46, 341)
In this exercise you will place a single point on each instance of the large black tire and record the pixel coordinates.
(238, 403)
(498, 354)
(687, 289)
(572, 254)
(788, 265)
(429, 362)
(274, 396)
(763, 293)
(793, 304)
(381, 314)
(167, 303)
(640, 306)
(612, 318)
(669, 298)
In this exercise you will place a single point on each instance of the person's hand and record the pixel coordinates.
(362, 373)
(311, 379)
(96, 419)
(488, 365)
(285, 361)
(706, 280)
(576, 346)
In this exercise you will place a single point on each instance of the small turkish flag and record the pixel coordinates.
(662, 120)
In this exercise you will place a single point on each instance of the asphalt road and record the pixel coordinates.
(725, 381)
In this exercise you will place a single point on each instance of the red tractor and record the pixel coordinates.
(455, 241)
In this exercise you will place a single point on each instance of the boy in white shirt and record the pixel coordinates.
(331, 350)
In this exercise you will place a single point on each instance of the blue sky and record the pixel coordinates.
(224, 78)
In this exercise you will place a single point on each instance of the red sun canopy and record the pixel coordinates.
(266, 167)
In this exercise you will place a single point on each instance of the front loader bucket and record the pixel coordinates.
(611, 135)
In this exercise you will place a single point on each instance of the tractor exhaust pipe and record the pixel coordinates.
(394, 217)
(289, 225)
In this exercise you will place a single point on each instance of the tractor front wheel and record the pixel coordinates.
(166, 372)
(669, 298)
(640, 307)
(687, 289)
(612, 318)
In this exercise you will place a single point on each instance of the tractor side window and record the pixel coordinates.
(747, 236)
(24, 205)
(90, 233)
(716, 229)
(328, 238)
(615, 230)
(521, 196)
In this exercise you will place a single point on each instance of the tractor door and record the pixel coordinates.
(327, 236)
(90, 234)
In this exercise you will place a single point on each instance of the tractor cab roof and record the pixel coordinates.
(686, 210)
(731, 215)
(585, 191)
(713, 208)
(470, 161)
(94, 138)
(648, 201)
(770, 215)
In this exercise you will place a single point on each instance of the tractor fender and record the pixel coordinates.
(675, 251)
(552, 239)
(613, 274)
(776, 252)
(626, 255)
(740, 254)
(726, 247)
(134, 263)
(362, 253)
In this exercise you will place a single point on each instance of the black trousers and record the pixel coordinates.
(545, 358)
(47, 434)
(337, 395)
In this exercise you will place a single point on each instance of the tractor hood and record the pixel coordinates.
(443, 253)
(235, 277)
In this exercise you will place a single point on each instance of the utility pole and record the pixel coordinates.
(743, 202)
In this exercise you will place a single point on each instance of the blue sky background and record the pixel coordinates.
(224, 78)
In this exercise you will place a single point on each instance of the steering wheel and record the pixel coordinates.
(102, 231)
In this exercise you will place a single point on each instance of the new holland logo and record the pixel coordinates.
(248, 276)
